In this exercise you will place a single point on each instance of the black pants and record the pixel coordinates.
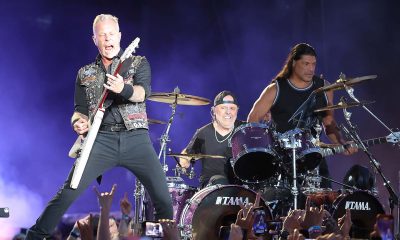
(130, 149)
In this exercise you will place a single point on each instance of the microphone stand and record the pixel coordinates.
(352, 133)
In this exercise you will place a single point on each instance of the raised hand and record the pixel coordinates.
(85, 226)
(170, 229)
(125, 205)
(296, 235)
(236, 232)
(245, 217)
(313, 216)
(292, 221)
(345, 223)
(105, 198)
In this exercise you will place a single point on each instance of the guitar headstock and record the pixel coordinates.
(130, 49)
(393, 137)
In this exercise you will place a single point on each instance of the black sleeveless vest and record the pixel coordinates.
(289, 99)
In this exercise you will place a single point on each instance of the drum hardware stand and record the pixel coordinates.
(139, 207)
(290, 142)
(139, 189)
(312, 180)
(178, 170)
(192, 174)
(165, 136)
(334, 181)
(352, 133)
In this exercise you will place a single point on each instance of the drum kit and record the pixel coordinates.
(270, 162)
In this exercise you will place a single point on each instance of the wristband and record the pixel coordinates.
(126, 217)
(127, 91)
(314, 229)
(75, 233)
(284, 234)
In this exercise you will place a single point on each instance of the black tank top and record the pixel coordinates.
(288, 100)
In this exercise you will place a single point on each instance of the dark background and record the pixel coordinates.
(201, 46)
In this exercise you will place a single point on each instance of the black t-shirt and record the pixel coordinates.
(289, 99)
(205, 141)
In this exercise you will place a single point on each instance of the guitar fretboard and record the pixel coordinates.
(342, 148)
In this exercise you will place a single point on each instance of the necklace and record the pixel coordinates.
(223, 140)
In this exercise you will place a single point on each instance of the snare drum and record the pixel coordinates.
(253, 154)
(364, 208)
(213, 207)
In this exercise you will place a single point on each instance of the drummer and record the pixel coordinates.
(212, 139)
(291, 87)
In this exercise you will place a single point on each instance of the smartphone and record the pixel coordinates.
(4, 212)
(152, 229)
(385, 224)
(260, 222)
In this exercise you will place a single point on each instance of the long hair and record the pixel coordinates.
(295, 54)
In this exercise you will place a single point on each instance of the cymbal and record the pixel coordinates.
(182, 99)
(193, 156)
(342, 83)
(155, 121)
(342, 105)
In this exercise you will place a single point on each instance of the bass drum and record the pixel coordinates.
(213, 207)
(363, 207)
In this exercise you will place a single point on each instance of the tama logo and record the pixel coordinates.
(357, 205)
(232, 201)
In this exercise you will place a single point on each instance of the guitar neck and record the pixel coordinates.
(105, 92)
(342, 148)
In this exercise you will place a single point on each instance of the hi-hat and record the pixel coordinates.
(181, 99)
(194, 156)
(342, 105)
(155, 121)
(343, 82)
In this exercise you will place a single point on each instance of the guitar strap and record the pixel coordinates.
(108, 102)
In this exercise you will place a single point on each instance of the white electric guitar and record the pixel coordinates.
(83, 146)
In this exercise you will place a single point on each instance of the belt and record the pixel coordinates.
(119, 127)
